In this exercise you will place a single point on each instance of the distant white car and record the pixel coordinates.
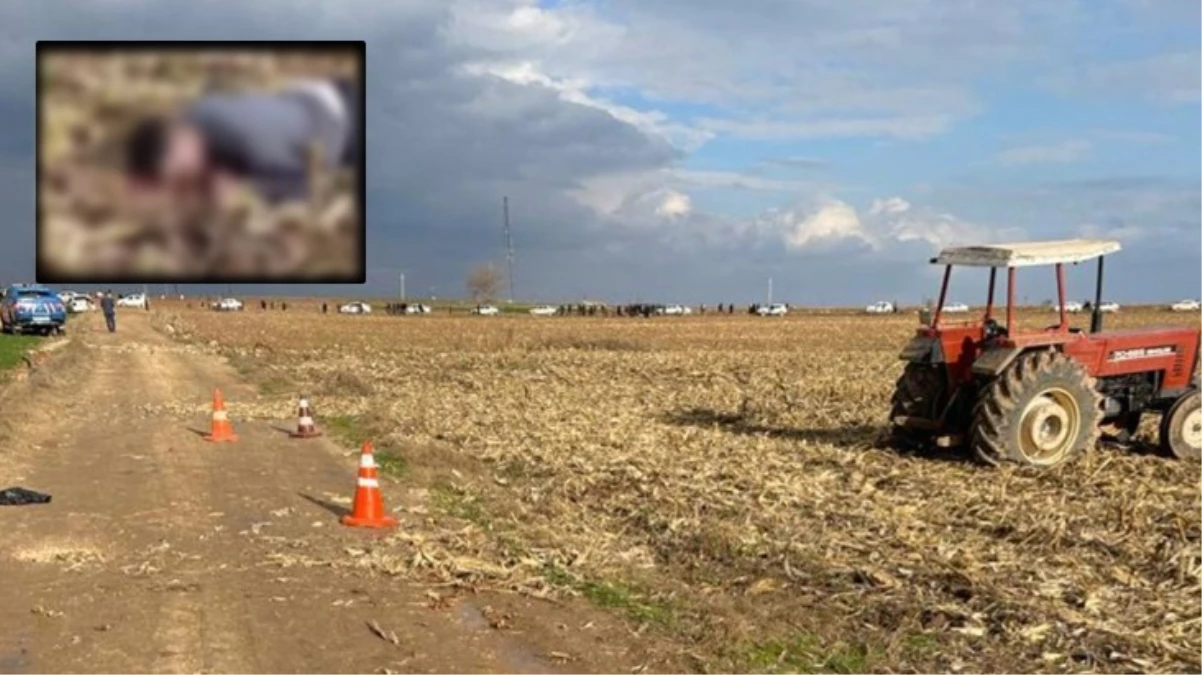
(772, 310)
(417, 309)
(80, 303)
(677, 310)
(1070, 307)
(355, 308)
(136, 300)
(543, 310)
(881, 307)
(1108, 307)
(955, 308)
(228, 305)
(1186, 306)
(486, 310)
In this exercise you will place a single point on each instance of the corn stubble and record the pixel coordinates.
(90, 100)
(729, 468)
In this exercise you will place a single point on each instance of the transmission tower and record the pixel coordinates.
(508, 244)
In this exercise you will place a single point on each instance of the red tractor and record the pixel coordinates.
(1038, 397)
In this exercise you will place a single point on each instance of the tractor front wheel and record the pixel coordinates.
(1043, 410)
(1181, 428)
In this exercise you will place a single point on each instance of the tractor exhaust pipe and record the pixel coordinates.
(1095, 320)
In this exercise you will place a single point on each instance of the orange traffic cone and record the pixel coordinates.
(222, 431)
(305, 428)
(369, 505)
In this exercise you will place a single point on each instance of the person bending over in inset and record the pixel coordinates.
(262, 139)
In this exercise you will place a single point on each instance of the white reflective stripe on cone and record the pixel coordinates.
(304, 403)
(369, 482)
(367, 462)
(306, 421)
(219, 415)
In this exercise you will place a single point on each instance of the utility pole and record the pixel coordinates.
(508, 244)
(402, 287)
(769, 290)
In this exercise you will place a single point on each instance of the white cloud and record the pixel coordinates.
(1168, 78)
(1134, 136)
(905, 128)
(739, 180)
(674, 204)
(795, 162)
(831, 222)
(575, 90)
(608, 193)
(1063, 152)
(886, 222)
(814, 69)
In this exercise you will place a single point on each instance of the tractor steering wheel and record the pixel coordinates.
(993, 329)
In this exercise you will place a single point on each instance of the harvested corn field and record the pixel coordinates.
(719, 482)
(89, 102)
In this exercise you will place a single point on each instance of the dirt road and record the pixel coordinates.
(162, 553)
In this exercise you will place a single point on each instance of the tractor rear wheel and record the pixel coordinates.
(1181, 428)
(917, 394)
(1041, 411)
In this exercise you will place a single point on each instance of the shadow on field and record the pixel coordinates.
(850, 437)
(333, 508)
(734, 423)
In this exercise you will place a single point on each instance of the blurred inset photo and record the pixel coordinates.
(200, 162)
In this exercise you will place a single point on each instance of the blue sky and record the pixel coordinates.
(687, 150)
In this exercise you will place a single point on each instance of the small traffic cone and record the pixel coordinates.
(222, 431)
(369, 505)
(305, 428)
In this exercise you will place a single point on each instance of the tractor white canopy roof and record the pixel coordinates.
(1027, 254)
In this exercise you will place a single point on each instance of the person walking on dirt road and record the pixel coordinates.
(110, 312)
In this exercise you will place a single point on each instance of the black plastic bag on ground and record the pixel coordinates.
(16, 496)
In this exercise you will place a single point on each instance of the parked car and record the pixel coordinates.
(1070, 307)
(228, 305)
(80, 303)
(137, 300)
(881, 307)
(30, 308)
(355, 308)
(772, 310)
(486, 310)
(417, 309)
(955, 308)
(1186, 306)
(677, 310)
(543, 310)
(1109, 307)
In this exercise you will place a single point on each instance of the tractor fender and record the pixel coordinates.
(994, 361)
(922, 349)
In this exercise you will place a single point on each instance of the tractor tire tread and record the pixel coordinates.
(913, 393)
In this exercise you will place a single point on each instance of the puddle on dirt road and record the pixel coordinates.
(512, 655)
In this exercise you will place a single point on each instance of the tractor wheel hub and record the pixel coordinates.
(1191, 431)
(1048, 425)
